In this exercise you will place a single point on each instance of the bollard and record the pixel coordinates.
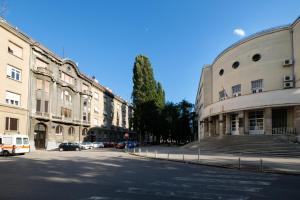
(183, 157)
(147, 153)
(139, 151)
(155, 154)
(239, 162)
(199, 155)
(261, 165)
(134, 150)
(168, 155)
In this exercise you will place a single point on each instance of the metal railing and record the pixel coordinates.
(284, 130)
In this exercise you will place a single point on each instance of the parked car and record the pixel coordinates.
(14, 144)
(69, 147)
(86, 145)
(98, 145)
(120, 145)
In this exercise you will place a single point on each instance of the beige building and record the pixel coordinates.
(253, 86)
(48, 98)
(14, 79)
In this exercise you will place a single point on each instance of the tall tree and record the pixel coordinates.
(147, 96)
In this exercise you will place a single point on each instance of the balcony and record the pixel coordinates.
(42, 115)
(87, 92)
(44, 71)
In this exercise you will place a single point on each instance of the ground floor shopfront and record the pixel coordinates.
(271, 120)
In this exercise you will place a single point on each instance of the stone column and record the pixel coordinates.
(241, 123)
(246, 122)
(268, 121)
(297, 120)
(209, 126)
(221, 125)
(228, 128)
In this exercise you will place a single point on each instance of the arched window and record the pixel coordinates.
(84, 131)
(256, 57)
(71, 131)
(221, 72)
(59, 130)
(236, 64)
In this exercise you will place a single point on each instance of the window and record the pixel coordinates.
(71, 131)
(47, 86)
(221, 72)
(222, 95)
(66, 78)
(40, 63)
(15, 50)
(12, 98)
(95, 122)
(38, 105)
(46, 106)
(39, 84)
(66, 96)
(236, 90)
(256, 57)
(25, 141)
(235, 65)
(96, 96)
(11, 124)
(84, 131)
(19, 141)
(84, 116)
(257, 86)
(59, 130)
(85, 87)
(67, 113)
(13, 73)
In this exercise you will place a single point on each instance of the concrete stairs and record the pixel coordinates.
(265, 145)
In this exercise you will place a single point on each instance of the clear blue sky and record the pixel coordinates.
(179, 37)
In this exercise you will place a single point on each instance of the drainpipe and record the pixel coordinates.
(293, 56)
(29, 103)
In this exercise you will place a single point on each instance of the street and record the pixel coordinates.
(109, 174)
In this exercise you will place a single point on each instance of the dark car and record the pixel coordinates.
(69, 147)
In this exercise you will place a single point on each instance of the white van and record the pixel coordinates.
(14, 144)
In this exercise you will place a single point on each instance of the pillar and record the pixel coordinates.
(297, 119)
(209, 126)
(221, 125)
(268, 121)
(246, 122)
(228, 128)
(241, 123)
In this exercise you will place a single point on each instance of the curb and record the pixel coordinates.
(268, 171)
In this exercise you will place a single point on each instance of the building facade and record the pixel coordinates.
(253, 86)
(48, 98)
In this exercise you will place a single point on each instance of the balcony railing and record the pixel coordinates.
(284, 130)
(87, 92)
(44, 70)
(42, 114)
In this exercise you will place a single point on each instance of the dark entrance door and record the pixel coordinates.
(279, 121)
(40, 136)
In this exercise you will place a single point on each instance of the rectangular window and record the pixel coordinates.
(39, 84)
(66, 78)
(13, 73)
(11, 124)
(96, 95)
(40, 63)
(47, 86)
(222, 95)
(13, 98)
(38, 105)
(257, 86)
(15, 50)
(19, 141)
(46, 107)
(85, 87)
(236, 90)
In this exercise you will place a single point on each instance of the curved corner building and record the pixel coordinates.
(253, 86)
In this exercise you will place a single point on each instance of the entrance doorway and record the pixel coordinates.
(256, 122)
(234, 124)
(279, 121)
(40, 136)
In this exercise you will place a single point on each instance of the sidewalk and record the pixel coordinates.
(257, 163)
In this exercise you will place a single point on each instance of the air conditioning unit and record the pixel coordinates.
(288, 84)
(287, 62)
(288, 78)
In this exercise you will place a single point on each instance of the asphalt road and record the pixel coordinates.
(108, 175)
